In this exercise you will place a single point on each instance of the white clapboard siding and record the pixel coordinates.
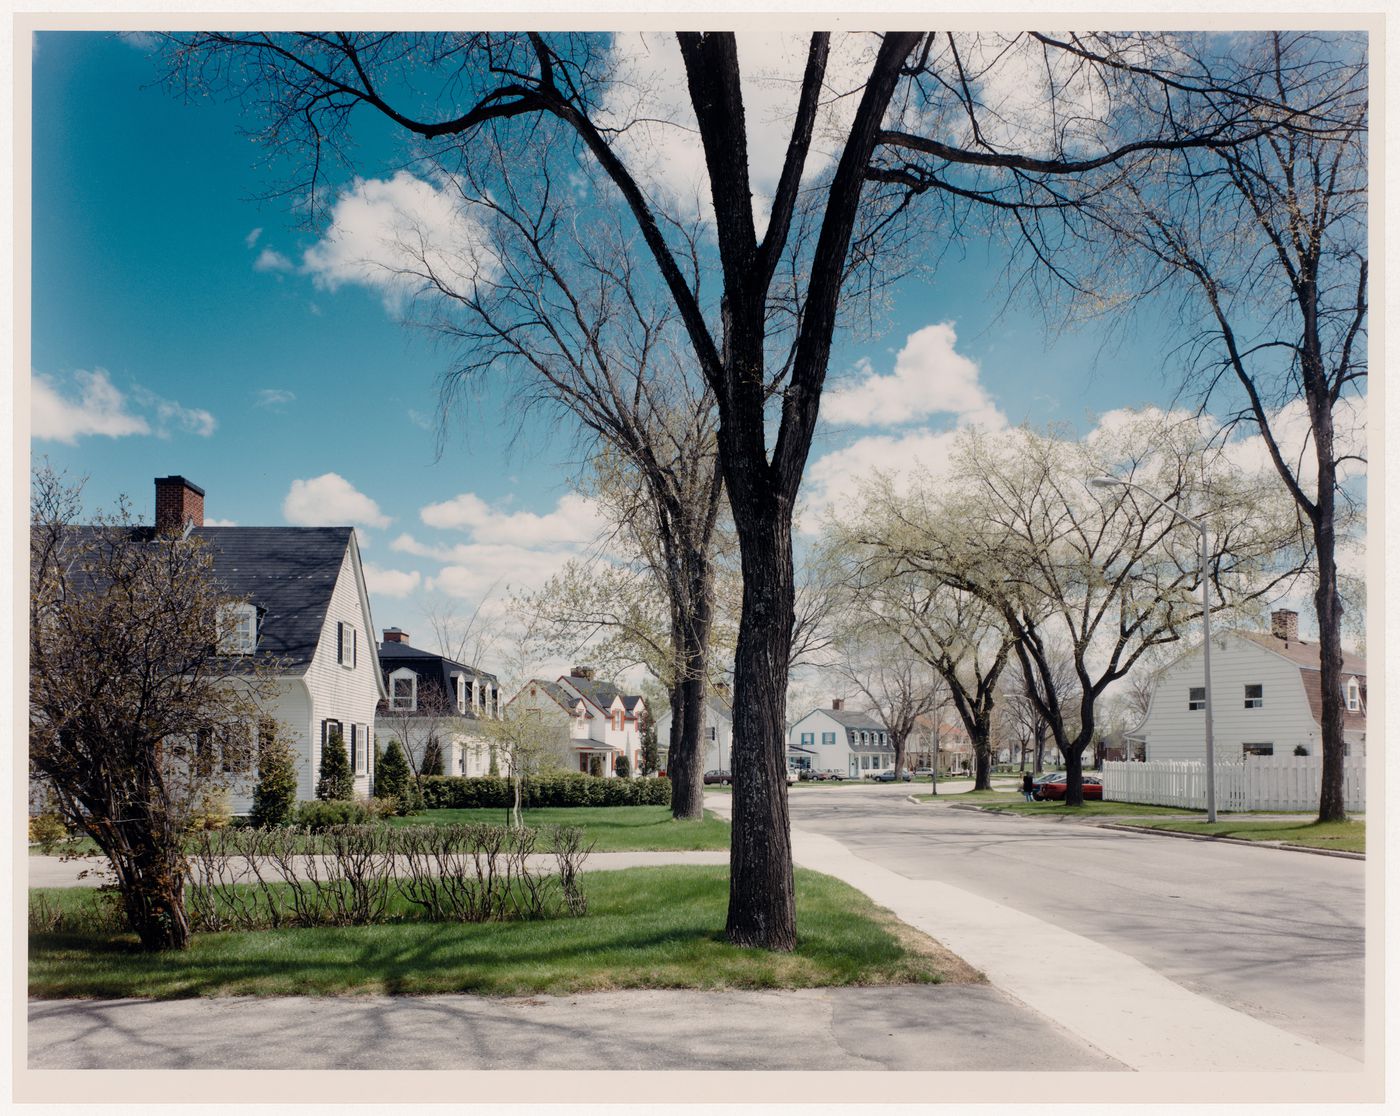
(1259, 783)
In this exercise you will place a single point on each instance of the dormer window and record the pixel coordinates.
(461, 694)
(238, 629)
(1353, 695)
(403, 690)
(617, 720)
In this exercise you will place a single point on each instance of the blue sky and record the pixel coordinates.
(180, 325)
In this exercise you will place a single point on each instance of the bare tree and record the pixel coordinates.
(898, 687)
(141, 711)
(919, 115)
(1267, 243)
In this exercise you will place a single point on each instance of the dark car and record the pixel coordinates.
(1055, 791)
(720, 776)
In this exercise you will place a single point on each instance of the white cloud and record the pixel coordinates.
(100, 408)
(836, 480)
(391, 583)
(211, 521)
(930, 377)
(382, 230)
(252, 237)
(273, 398)
(170, 414)
(329, 501)
(574, 520)
(269, 259)
(651, 98)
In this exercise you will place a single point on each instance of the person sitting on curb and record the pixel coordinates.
(1028, 787)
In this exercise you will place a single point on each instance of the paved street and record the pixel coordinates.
(1275, 935)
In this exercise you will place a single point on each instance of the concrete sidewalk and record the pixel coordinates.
(1113, 1001)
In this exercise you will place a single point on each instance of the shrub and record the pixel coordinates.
(321, 815)
(651, 749)
(623, 767)
(275, 796)
(213, 812)
(48, 831)
(336, 783)
(432, 757)
(391, 774)
(458, 792)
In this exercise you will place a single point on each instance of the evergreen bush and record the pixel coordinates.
(461, 792)
(275, 796)
(337, 782)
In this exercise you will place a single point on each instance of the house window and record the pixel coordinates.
(461, 694)
(403, 690)
(865, 763)
(713, 731)
(346, 641)
(828, 738)
(238, 629)
(807, 739)
(1254, 695)
(1353, 696)
(617, 720)
(1258, 749)
(1196, 698)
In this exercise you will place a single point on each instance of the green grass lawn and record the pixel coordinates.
(611, 828)
(1347, 836)
(645, 928)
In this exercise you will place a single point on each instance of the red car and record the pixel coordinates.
(1055, 791)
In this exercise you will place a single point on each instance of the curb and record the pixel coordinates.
(1280, 846)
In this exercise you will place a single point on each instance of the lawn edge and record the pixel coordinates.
(1278, 846)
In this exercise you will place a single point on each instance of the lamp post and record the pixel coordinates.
(1203, 566)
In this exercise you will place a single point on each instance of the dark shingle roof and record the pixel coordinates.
(289, 573)
(600, 694)
(853, 719)
(437, 673)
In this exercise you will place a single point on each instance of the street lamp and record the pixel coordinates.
(1111, 482)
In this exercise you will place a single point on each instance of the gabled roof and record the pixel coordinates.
(289, 573)
(556, 693)
(853, 719)
(600, 694)
(1304, 654)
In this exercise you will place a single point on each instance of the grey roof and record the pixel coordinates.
(288, 573)
(557, 693)
(601, 694)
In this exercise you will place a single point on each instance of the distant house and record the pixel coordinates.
(1267, 700)
(307, 609)
(840, 739)
(953, 745)
(716, 734)
(434, 703)
(604, 722)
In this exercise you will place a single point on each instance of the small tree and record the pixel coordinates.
(432, 757)
(135, 719)
(623, 767)
(336, 781)
(393, 779)
(528, 744)
(275, 796)
(651, 749)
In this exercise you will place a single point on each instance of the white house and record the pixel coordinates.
(717, 734)
(434, 702)
(1267, 699)
(841, 740)
(604, 722)
(307, 611)
(948, 738)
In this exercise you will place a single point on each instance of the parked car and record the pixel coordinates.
(720, 776)
(1055, 791)
(888, 776)
(924, 773)
(791, 776)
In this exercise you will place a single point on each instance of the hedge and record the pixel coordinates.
(462, 792)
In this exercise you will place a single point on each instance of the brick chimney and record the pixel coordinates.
(395, 635)
(178, 502)
(582, 672)
(1285, 624)
(838, 704)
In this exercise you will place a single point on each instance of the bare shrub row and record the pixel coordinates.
(254, 879)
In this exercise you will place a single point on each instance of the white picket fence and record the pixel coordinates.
(1257, 783)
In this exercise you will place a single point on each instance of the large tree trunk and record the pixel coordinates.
(982, 757)
(1074, 772)
(1328, 603)
(761, 903)
(152, 884)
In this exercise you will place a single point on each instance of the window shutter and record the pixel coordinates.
(354, 647)
(339, 642)
(354, 767)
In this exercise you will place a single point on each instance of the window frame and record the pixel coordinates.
(403, 674)
(1195, 704)
(1255, 701)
